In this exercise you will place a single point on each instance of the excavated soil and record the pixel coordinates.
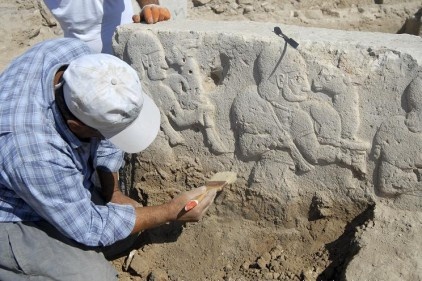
(308, 240)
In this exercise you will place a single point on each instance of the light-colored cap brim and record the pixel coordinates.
(141, 132)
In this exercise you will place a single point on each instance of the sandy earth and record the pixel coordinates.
(313, 242)
(25, 23)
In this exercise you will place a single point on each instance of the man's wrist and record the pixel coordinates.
(143, 3)
(171, 213)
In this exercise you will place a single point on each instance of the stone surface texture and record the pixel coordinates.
(313, 132)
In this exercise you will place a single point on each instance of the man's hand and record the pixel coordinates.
(153, 216)
(152, 13)
(195, 214)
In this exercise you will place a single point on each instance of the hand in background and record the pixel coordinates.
(152, 13)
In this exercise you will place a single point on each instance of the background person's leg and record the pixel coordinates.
(36, 251)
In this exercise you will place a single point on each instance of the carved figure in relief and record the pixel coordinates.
(191, 95)
(398, 147)
(180, 96)
(150, 62)
(271, 117)
(345, 100)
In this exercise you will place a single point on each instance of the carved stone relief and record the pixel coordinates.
(287, 120)
(292, 122)
(179, 94)
(398, 147)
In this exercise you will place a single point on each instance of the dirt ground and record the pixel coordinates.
(313, 241)
(25, 23)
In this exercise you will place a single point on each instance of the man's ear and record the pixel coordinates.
(82, 130)
(76, 126)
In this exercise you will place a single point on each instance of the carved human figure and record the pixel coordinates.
(398, 146)
(270, 117)
(191, 94)
(149, 60)
(277, 132)
(180, 95)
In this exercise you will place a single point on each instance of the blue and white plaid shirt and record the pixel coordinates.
(46, 172)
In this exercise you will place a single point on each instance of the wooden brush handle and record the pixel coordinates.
(194, 202)
(211, 185)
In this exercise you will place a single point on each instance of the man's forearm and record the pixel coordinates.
(110, 189)
(151, 216)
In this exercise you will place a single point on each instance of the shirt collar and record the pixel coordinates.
(59, 121)
(63, 129)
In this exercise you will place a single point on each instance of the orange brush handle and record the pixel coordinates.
(217, 182)
(194, 202)
(218, 185)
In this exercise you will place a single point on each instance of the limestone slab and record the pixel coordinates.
(335, 122)
(340, 112)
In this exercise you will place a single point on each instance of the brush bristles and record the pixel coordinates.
(228, 177)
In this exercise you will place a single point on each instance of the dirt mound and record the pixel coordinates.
(234, 248)
(24, 23)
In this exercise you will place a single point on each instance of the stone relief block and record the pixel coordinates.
(338, 114)
(397, 147)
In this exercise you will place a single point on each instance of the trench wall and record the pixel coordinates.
(336, 119)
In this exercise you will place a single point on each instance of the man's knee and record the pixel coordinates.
(48, 258)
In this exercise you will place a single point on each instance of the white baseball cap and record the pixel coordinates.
(105, 93)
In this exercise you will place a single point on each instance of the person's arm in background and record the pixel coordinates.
(151, 12)
(110, 189)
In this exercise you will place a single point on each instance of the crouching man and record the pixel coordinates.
(66, 118)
